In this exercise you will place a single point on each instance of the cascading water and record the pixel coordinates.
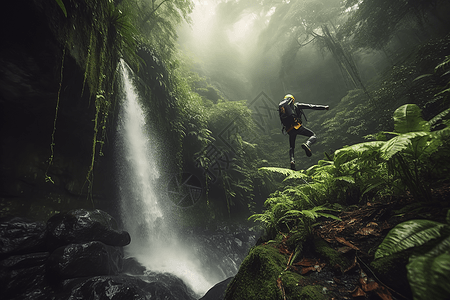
(154, 243)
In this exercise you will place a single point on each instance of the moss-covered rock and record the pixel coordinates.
(311, 292)
(290, 283)
(258, 274)
(263, 275)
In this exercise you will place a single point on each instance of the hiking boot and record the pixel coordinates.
(293, 165)
(307, 150)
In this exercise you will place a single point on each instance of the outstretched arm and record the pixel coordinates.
(312, 106)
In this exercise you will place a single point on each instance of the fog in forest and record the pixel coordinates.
(234, 45)
(308, 49)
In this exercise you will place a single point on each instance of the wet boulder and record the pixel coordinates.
(84, 260)
(104, 287)
(125, 287)
(161, 285)
(133, 267)
(22, 275)
(79, 255)
(82, 226)
(20, 236)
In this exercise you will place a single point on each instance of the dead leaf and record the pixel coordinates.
(352, 221)
(344, 249)
(345, 242)
(306, 270)
(371, 286)
(358, 293)
(307, 262)
(384, 293)
(367, 231)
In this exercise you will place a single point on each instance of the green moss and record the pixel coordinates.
(311, 292)
(290, 282)
(258, 274)
(331, 256)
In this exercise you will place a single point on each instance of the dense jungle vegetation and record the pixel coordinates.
(382, 66)
(188, 105)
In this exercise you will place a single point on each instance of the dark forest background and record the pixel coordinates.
(210, 75)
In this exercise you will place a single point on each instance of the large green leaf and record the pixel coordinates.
(412, 142)
(408, 118)
(441, 118)
(409, 234)
(429, 277)
(443, 246)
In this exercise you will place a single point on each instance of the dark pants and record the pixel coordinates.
(293, 135)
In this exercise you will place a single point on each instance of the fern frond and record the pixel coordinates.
(428, 276)
(443, 65)
(410, 234)
(402, 143)
(440, 118)
(282, 171)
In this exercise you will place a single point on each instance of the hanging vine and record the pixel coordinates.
(97, 34)
(52, 144)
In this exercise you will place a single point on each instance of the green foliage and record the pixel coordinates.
(369, 26)
(441, 120)
(408, 118)
(157, 22)
(403, 162)
(231, 121)
(408, 155)
(428, 276)
(349, 121)
(98, 34)
(61, 5)
(443, 69)
(304, 219)
(290, 174)
(427, 244)
(286, 211)
(411, 234)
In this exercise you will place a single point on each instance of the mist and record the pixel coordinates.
(233, 47)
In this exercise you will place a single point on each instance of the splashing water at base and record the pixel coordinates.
(153, 242)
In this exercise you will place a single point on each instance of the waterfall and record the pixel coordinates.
(154, 243)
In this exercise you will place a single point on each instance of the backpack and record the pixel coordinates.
(288, 117)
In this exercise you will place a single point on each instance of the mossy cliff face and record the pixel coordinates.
(31, 81)
(263, 275)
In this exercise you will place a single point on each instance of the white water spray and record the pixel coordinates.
(153, 242)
